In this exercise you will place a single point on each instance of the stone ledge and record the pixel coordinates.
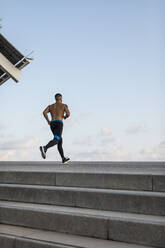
(146, 230)
(141, 202)
(28, 236)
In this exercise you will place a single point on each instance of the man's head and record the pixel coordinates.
(58, 97)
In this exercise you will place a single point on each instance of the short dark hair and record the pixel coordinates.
(57, 96)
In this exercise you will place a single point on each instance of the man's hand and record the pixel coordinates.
(45, 113)
(67, 112)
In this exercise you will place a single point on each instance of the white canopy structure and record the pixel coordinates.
(11, 61)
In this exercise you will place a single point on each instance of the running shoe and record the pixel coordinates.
(43, 153)
(65, 160)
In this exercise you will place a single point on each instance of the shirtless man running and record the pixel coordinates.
(58, 111)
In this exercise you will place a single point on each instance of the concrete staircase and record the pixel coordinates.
(82, 204)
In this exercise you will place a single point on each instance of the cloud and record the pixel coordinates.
(26, 143)
(20, 155)
(20, 150)
(108, 140)
(114, 153)
(104, 136)
(141, 128)
(87, 140)
(162, 144)
(2, 127)
(89, 148)
(156, 152)
(148, 153)
(85, 115)
(7, 155)
(70, 121)
(106, 131)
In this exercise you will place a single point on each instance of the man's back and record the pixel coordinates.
(57, 110)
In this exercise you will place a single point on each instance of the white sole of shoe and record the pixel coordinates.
(42, 152)
(66, 162)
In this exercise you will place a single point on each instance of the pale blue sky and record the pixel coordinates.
(107, 59)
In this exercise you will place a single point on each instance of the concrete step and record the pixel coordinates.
(19, 237)
(88, 164)
(130, 181)
(148, 176)
(151, 168)
(132, 228)
(152, 203)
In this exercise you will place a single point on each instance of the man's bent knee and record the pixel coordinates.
(56, 137)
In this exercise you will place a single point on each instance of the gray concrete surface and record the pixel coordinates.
(7, 241)
(114, 175)
(86, 222)
(28, 237)
(98, 199)
(28, 177)
(105, 180)
(151, 168)
(159, 183)
(152, 203)
(85, 179)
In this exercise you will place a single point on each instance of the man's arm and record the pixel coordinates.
(45, 113)
(67, 112)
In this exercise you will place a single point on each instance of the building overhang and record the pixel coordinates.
(11, 61)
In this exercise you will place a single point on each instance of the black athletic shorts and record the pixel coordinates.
(57, 127)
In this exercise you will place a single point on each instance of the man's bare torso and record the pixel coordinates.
(57, 110)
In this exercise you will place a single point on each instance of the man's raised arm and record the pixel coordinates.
(67, 112)
(45, 113)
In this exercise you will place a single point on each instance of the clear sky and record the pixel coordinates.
(106, 57)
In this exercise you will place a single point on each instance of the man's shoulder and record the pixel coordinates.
(65, 105)
(61, 104)
(52, 105)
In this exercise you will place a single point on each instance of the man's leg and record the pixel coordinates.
(57, 131)
(51, 143)
(60, 149)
